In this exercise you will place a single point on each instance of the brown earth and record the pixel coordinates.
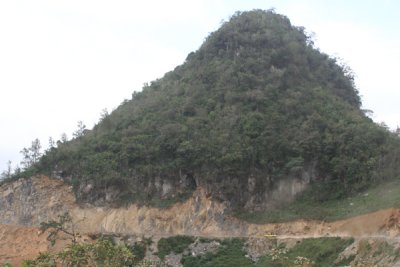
(20, 242)
(25, 203)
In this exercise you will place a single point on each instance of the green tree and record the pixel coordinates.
(7, 174)
(81, 130)
(64, 224)
(32, 154)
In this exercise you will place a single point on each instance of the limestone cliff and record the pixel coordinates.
(31, 201)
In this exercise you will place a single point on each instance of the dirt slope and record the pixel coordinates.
(383, 223)
(18, 243)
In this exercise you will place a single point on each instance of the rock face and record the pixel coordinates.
(31, 201)
(39, 199)
(254, 195)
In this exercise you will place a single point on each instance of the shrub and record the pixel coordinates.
(176, 244)
(103, 253)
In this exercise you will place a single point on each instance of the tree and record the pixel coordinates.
(104, 114)
(80, 131)
(63, 224)
(8, 172)
(32, 154)
(17, 170)
(102, 253)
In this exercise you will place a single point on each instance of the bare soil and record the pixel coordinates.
(18, 243)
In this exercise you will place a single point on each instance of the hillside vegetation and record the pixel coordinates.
(255, 104)
(382, 196)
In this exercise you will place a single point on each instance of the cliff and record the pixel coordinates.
(39, 199)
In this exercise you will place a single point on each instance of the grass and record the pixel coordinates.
(385, 195)
(322, 251)
(230, 254)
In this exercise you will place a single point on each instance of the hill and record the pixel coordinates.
(255, 116)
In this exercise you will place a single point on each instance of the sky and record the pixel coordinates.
(65, 61)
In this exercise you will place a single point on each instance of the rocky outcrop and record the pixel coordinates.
(255, 193)
(39, 199)
(34, 200)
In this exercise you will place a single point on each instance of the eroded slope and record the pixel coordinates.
(31, 201)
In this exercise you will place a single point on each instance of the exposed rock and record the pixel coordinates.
(257, 247)
(39, 199)
(34, 200)
(173, 260)
(201, 248)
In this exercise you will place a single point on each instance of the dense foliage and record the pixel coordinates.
(102, 253)
(255, 100)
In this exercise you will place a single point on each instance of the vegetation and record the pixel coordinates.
(279, 258)
(32, 154)
(378, 253)
(175, 244)
(382, 196)
(309, 252)
(230, 254)
(64, 224)
(102, 253)
(256, 100)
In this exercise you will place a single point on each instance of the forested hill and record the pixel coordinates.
(256, 104)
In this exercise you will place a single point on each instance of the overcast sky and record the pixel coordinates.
(65, 61)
